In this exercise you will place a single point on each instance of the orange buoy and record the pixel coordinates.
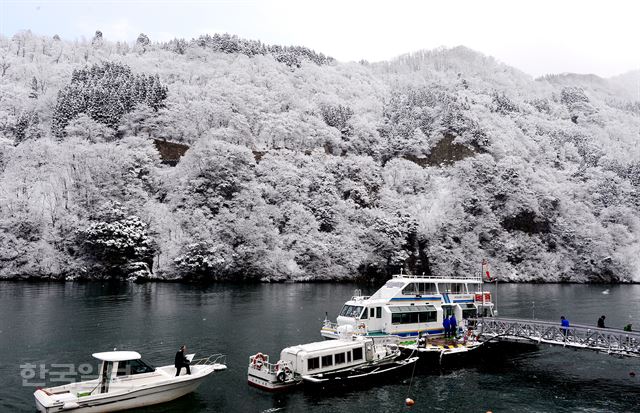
(409, 402)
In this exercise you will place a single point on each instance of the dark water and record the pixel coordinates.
(65, 323)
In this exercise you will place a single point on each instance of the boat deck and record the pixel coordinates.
(441, 345)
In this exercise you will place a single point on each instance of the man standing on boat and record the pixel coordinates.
(453, 326)
(446, 323)
(182, 361)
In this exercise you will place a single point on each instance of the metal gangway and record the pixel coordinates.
(606, 340)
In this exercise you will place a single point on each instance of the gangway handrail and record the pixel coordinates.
(578, 336)
(608, 330)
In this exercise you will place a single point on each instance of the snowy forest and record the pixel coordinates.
(299, 167)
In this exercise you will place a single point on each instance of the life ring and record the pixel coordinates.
(258, 360)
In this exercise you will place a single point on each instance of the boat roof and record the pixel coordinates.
(117, 355)
(324, 345)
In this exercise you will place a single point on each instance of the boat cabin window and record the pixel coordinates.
(410, 289)
(313, 363)
(365, 314)
(348, 357)
(378, 312)
(394, 284)
(339, 358)
(419, 289)
(413, 314)
(130, 367)
(447, 310)
(453, 288)
(469, 311)
(357, 354)
(351, 311)
(372, 312)
(327, 360)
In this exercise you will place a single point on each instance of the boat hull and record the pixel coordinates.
(123, 401)
(359, 375)
(271, 386)
(264, 379)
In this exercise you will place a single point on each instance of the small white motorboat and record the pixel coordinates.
(126, 382)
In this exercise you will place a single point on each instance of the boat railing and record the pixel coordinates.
(358, 329)
(271, 368)
(389, 341)
(210, 360)
(329, 324)
(434, 277)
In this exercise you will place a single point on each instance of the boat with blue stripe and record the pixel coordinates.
(411, 306)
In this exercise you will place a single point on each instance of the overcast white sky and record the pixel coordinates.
(536, 36)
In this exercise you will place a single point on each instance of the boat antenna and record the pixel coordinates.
(495, 306)
(482, 289)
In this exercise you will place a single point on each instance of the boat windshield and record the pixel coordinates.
(130, 367)
(351, 311)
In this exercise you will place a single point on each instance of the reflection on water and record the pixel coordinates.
(45, 323)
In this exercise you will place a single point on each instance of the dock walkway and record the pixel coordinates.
(606, 340)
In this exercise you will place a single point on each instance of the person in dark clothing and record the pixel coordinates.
(453, 326)
(181, 361)
(447, 325)
(601, 322)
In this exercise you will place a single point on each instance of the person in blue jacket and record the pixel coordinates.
(447, 325)
(453, 326)
(564, 324)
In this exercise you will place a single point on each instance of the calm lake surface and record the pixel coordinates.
(50, 323)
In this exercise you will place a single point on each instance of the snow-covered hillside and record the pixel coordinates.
(300, 167)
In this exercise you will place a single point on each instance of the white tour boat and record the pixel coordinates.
(354, 356)
(126, 382)
(413, 305)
